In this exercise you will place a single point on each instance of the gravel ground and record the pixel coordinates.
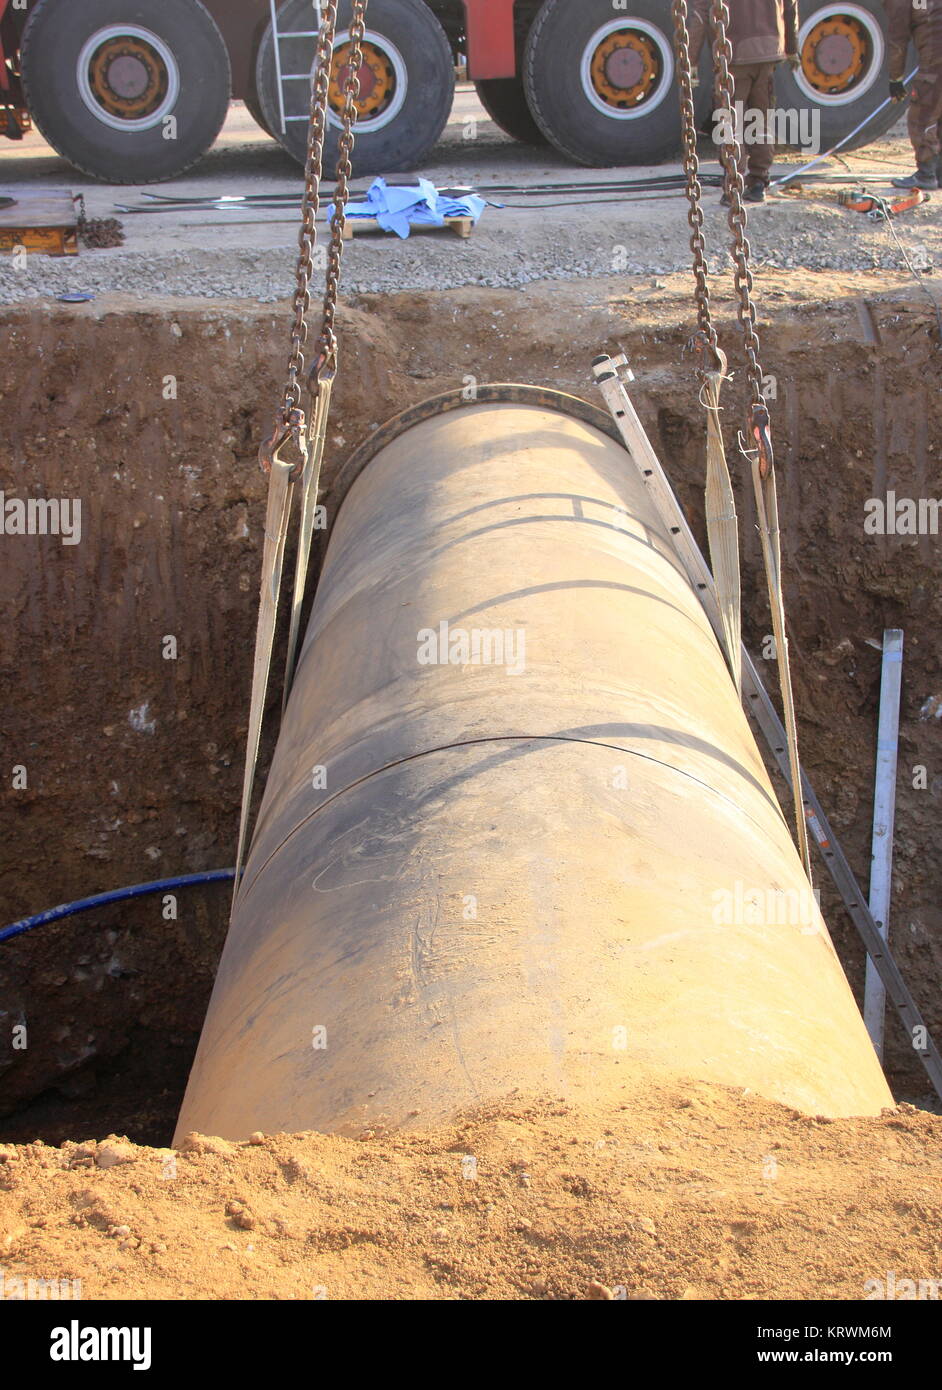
(250, 254)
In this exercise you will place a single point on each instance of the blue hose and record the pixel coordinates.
(116, 895)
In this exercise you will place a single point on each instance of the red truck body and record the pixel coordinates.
(596, 79)
(489, 27)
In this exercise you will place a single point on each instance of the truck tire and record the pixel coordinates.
(844, 72)
(407, 85)
(600, 82)
(128, 91)
(250, 101)
(505, 101)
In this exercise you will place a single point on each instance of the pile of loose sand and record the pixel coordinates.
(695, 1193)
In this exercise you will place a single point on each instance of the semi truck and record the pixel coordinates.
(136, 91)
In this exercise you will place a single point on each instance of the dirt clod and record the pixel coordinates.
(113, 1151)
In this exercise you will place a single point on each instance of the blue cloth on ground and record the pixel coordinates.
(398, 207)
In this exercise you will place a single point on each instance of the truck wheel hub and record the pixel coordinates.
(127, 76)
(377, 80)
(624, 68)
(834, 55)
(128, 79)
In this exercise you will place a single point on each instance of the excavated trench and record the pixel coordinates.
(126, 655)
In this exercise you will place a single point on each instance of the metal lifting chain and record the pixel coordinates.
(694, 190)
(721, 521)
(327, 341)
(720, 502)
(742, 275)
(310, 202)
(291, 425)
(324, 369)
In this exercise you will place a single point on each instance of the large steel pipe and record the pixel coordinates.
(517, 834)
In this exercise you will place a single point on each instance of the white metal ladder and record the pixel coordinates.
(278, 37)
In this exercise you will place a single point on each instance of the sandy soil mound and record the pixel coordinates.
(695, 1193)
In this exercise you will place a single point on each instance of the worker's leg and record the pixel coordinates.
(924, 118)
(759, 150)
(743, 76)
(924, 122)
(753, 94)
(925, 114)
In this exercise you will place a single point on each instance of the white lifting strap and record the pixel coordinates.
(722, 528)
(310, 480)
(763, 482)
(277, 519)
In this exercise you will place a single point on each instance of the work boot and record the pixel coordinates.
(749, 195)
(924, 177)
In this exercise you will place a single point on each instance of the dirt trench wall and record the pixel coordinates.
(126, 658)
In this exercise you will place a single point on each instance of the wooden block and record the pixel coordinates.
(49, 241)
(461, 226)
(41, 219)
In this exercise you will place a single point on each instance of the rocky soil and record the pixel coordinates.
(247, 253)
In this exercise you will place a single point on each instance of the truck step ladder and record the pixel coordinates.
(278, 38)
(611, 375)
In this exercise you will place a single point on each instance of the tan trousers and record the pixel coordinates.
(924, 118)
(754, 86)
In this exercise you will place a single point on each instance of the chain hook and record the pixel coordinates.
(718, 362)
(711, 359)
(761, 433)
(289, 425)
(324, 366)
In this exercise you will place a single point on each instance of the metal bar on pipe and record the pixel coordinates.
(610, 374)
(884, 815)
